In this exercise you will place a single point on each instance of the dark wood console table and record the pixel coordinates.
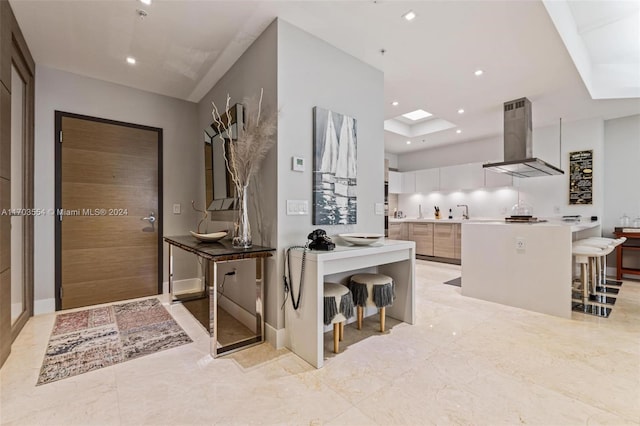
(215, 254)
(631, 245)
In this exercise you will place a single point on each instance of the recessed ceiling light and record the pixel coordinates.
(394, 103)
(408, 142)
(460, 111)
(147, 2)
(410, 15)
(479, 72)
(131, 60)
(458, 131)
(417, 114)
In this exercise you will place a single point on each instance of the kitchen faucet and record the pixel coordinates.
(465, 215)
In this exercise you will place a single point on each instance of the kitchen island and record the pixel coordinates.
(525, 265)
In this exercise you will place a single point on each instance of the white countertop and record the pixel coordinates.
(575, 226)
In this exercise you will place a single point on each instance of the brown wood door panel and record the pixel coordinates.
(118, 289)
(108, 168)
(109, 179)
(86, 232)
(116, 262)
(102, 136)
(92, 196)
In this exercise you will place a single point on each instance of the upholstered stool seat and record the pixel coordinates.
(372, 290)
(338, 306)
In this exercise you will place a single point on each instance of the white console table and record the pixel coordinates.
(305, 326)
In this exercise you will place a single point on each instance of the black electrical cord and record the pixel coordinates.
(288, 283)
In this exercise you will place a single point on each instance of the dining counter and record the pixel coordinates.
(525, 265)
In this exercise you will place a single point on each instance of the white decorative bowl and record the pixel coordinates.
(209, 238)
(361, 239)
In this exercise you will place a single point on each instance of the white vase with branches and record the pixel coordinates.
(251, 140)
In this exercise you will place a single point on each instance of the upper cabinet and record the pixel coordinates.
(450, 178)
(395, 182)
(463, 176)
(409, 182)
(427, 180)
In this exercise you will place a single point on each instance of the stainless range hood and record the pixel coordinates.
(518, 146)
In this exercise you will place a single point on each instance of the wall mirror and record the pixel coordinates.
(220, 191)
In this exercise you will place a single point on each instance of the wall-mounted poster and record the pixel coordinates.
(334, 168)
(581, 177)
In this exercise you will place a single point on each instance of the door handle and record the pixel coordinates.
(151, 218)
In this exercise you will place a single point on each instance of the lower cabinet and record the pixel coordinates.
(398, 231)
(422, 234)
(444, 240)
(457, 243)
(440, 240)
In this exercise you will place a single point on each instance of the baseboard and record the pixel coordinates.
(183, 286)
(275, 337)
(44, 306)
(238, 312)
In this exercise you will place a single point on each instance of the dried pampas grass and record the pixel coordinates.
(251, 142)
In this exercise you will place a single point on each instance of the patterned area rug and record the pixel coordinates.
(99, 337)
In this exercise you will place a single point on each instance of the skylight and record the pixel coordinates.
(418, 114)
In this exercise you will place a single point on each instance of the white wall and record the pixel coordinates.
(313, 73)
(622, 163)
(621, 160)
(549, 195)
(393, 160)
(485, 150)
(182, 157)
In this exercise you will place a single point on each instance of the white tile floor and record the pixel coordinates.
(464, 362)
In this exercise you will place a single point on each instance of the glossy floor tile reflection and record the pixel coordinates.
(465, 361)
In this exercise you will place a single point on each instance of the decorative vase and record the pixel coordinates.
(242, 229)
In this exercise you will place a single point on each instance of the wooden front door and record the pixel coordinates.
(108, 181)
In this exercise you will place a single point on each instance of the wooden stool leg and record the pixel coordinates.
(382, 317)
(336, 338)
(341, 331)
(360, 317)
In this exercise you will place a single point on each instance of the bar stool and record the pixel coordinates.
(602, 242)
(338, 306)
(585, 256)
(372, 290)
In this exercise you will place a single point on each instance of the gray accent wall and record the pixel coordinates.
(182, 149)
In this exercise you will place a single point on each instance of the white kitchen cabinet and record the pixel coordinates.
(427, 180)
(395, 182)
(496, 180)
(462, 176)
(408, 182)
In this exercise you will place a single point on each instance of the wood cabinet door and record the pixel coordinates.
(422, 235)
(457, 243)
(443, 240)
(397, 231)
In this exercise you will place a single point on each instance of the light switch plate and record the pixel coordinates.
(176, 209)
(297, 207)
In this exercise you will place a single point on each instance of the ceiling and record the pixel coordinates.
(183, 47)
